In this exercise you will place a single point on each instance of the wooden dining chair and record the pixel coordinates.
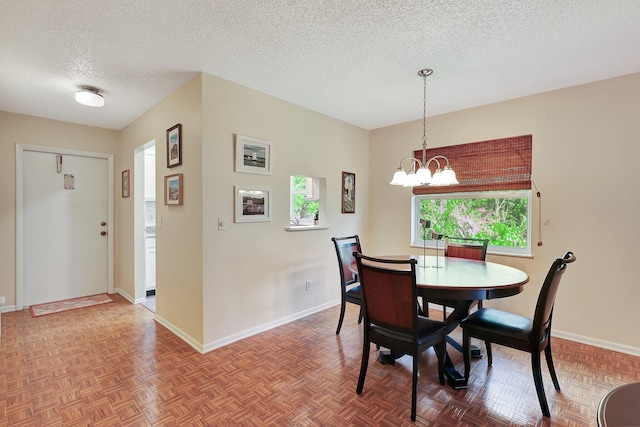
(349, 285)
(466, 247)
(461, 247)
(391, 317)
(519, 332)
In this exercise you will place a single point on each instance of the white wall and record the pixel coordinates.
(580, 135)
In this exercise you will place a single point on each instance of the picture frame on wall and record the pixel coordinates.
(173, 189)
(252, 204)
(174, 146)
(348, 192)
(125, 183)
(253, 155)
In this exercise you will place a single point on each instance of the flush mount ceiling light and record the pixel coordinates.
(422, 176)
(89, 96)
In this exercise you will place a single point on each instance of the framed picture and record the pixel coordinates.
(125, 183)
(174, 146)
(253, 204)
(348, 192)
(253, 155)
(173, 189)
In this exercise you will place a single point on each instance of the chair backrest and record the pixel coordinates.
(345, 247)
(389, 293)
(466, 247)
(547, 297)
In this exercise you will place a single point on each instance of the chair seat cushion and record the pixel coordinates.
(426, 330)
(355, 289)
(495, 322)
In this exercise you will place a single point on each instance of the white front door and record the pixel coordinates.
(65, 226)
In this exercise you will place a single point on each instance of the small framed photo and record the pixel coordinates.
(174, 146)
(253, 204)
(348, 192)
(173, 189)
(253, 155)
(125, 183)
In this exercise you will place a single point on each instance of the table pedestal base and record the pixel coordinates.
(454, 378)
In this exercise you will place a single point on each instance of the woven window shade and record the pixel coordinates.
(496, 165)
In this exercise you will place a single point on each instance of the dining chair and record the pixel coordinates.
(461, 247)
(519, 332)
(391, 319)
(349, 285)
(466, 247)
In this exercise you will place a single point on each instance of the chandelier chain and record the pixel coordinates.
(424, 113)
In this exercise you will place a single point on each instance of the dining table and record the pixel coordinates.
(460, 281)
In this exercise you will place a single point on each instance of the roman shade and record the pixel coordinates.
(494, 165)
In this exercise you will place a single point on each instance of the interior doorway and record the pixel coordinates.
(145, 224)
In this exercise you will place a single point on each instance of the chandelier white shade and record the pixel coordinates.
(89, 96)
(419, 173)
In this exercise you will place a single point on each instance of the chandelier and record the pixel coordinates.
(419, 173)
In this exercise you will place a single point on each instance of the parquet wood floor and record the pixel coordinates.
(112, 365)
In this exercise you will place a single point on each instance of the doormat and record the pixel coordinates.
(69, 304)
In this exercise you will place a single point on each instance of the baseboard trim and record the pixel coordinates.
(267, 326)
(180, 333)
(620, 348)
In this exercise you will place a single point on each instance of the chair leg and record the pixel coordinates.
(537, 379)
(414, 390)
(466, 352)
(342, 309)
(363, 365)
(487, 345)
(441, 349)
(360, 316)
(552, 369)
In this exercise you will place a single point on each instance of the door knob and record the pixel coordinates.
(103, 223)
(103, 233)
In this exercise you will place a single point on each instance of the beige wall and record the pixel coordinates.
(214, 286)
(179, 242)
(254, 273)
(218, 286)
(579, 135)
(20, 129)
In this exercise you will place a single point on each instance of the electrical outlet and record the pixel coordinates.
(308, 284)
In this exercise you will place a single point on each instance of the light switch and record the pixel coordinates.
(222, 224)
(159, 223)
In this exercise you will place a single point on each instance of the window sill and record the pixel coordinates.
(306, 227)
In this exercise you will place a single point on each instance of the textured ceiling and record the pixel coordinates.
(355, 60)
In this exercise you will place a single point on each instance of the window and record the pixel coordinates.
(493, 200)
(503, 217)
(305, 197)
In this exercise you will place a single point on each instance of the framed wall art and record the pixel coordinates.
(348, 192)
(174, 146)
(125, 183)
(253, 155)
(253, 204)
(173, 189)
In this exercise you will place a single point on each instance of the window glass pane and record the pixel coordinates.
(304, 207)
(501, 217)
